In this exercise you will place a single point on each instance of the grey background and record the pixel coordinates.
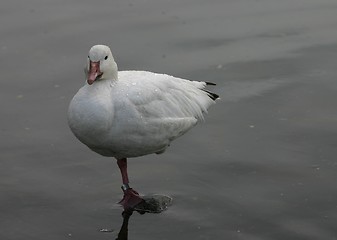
(263, 166)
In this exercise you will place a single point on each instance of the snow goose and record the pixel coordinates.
(126, 114)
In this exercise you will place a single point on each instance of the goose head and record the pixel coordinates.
(101, 64)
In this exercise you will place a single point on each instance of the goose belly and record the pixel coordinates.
(89, 121)
(115, 134)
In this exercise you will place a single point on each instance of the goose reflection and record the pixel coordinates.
(151, 204)
(123, 232)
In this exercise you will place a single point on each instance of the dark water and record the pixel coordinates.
(264, 164)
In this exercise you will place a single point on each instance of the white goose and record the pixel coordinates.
(125, 114)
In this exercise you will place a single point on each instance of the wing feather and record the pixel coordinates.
(169, 105)
(161, 95)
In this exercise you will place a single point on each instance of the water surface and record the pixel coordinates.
(263, 166)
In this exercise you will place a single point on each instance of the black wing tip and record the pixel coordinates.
(213, 96)
(210, 83)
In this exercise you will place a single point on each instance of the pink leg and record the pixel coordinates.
(131, 197)
(123, 166)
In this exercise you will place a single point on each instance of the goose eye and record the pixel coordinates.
(106, 57)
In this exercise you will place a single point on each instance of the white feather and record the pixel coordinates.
(138, 114)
